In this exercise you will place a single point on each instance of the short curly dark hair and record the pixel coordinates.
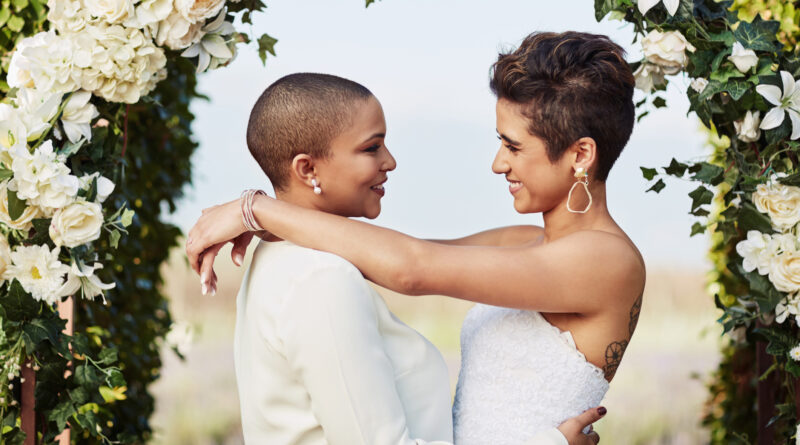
(300, 113)
(571, 85)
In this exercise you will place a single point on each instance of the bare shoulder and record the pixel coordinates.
(609, 258)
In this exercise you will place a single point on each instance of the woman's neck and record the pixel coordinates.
(560, 222)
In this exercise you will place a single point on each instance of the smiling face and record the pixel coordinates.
(352, 177)
(537, 184)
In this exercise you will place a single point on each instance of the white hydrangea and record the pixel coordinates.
(38, 270)
(213, 49)
(43, 179)
(67, 15)
(78, 115)
(43, 61)
(110, 11)
(149, 12)
(81, 277)
(116, 63)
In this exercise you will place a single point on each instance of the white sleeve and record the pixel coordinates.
(333, 344)
(550, 437)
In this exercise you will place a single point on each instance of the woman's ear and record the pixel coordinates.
(303, 169)
(585, 152)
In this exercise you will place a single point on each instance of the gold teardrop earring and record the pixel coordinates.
(582, 177)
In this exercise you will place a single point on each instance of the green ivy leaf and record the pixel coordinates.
(5, 14)
(649, 173)
(707, 173)
(78, 395)
(659, 102)
(108, 356)
(676, 168)
(657, 187)
(61, 413)
(16, 206)
(266, 44)
(737, 88)
(700, 196)
(41, 329)
(86, 376)
(113, 238)
(601, 8)
(41, 228)
(751, 219)
(725, 37)
(724, 74)
(127, 217)
(758, 35)
(115, 379)
(369, 2)
(697, 228)
(18, 305)
(19, 5)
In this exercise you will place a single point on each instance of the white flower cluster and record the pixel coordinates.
(777, 256)
(112, 49)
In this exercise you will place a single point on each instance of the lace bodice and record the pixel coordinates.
(519, 375)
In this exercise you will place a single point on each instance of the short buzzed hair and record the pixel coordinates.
(300, 113)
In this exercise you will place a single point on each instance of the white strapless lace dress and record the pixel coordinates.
(519, 375)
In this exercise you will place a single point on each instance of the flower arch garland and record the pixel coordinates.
(95, 141)
(745, 88)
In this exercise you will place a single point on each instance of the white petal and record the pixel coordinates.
(646, 5)
(203, 61)
(794, 116)
(773, 119)
(191, 51)
(771, 93)
(788, 84)
(215, 45)
(672, 6)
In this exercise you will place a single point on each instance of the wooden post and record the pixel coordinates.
(28, 403)
(766, 395)
(66, 309)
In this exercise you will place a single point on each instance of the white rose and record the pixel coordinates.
(5, 256)
(198, 10)
(756, 251)
(116, 63)
(648, 76)
(77, 116)
(744, 59)
(67, 15)
(747, 128)
(112, 11)
(149, 12)
(44, 62)
(667, 50)
(175, 32)
(76, 224)
(699, 84)
(81, 277)
(780, 202)
(25, 221)
(38, 270)
(784, 271)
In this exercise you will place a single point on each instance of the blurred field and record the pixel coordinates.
(655, 398)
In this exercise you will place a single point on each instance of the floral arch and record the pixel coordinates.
(743, 61)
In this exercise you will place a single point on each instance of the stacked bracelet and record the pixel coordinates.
(247, 209)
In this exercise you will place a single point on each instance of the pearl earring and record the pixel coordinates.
(317, 189)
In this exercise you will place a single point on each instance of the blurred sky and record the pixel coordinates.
(427, 61)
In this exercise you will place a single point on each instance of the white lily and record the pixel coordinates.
(646, 5)
(212, 50)
(81, 277)
(744, 59)
(787, 101)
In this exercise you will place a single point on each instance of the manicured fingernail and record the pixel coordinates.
(204, 289)
(214, 291)
(203, 278)
(237, 259)
(602, 411)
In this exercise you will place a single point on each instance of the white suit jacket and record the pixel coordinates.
(320, 359)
